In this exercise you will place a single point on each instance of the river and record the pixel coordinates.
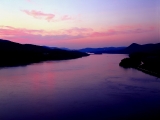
(92, 87)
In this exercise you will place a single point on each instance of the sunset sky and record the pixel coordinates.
(80, 23)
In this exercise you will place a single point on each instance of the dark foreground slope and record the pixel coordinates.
(12, 54)
(145, 58)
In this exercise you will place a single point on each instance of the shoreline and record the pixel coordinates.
(148, 72)
(136, 63)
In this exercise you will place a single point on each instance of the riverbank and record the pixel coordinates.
(148, 72)
(145, 58)
(145, 62)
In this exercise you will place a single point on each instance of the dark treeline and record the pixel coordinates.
(145, 58)
(12, 54)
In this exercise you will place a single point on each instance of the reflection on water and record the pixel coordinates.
(93, 87)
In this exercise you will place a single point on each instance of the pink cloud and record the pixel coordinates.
(40, 15)
(117, 32)
(133, 27)
(87, 32)
(122, 27)
(104, 33)
(66, 17)
(23, 35)
(46, 16)
(76, 30)
(11, 31)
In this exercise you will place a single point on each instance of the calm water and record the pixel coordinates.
(93, 87)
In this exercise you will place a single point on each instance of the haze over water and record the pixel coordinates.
(93, 87)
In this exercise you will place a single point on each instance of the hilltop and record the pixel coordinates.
(13, 54)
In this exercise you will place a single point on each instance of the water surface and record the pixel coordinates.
(93, 87)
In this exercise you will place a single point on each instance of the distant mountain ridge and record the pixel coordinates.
(134, 47)
(142, 48)
(102, 50)
(12, 54)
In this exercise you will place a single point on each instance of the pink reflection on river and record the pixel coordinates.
(88, 86)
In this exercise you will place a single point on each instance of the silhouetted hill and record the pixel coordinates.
(142, 48)
(145, 58)
(134, 47)
(62, 48)
(12, 53)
